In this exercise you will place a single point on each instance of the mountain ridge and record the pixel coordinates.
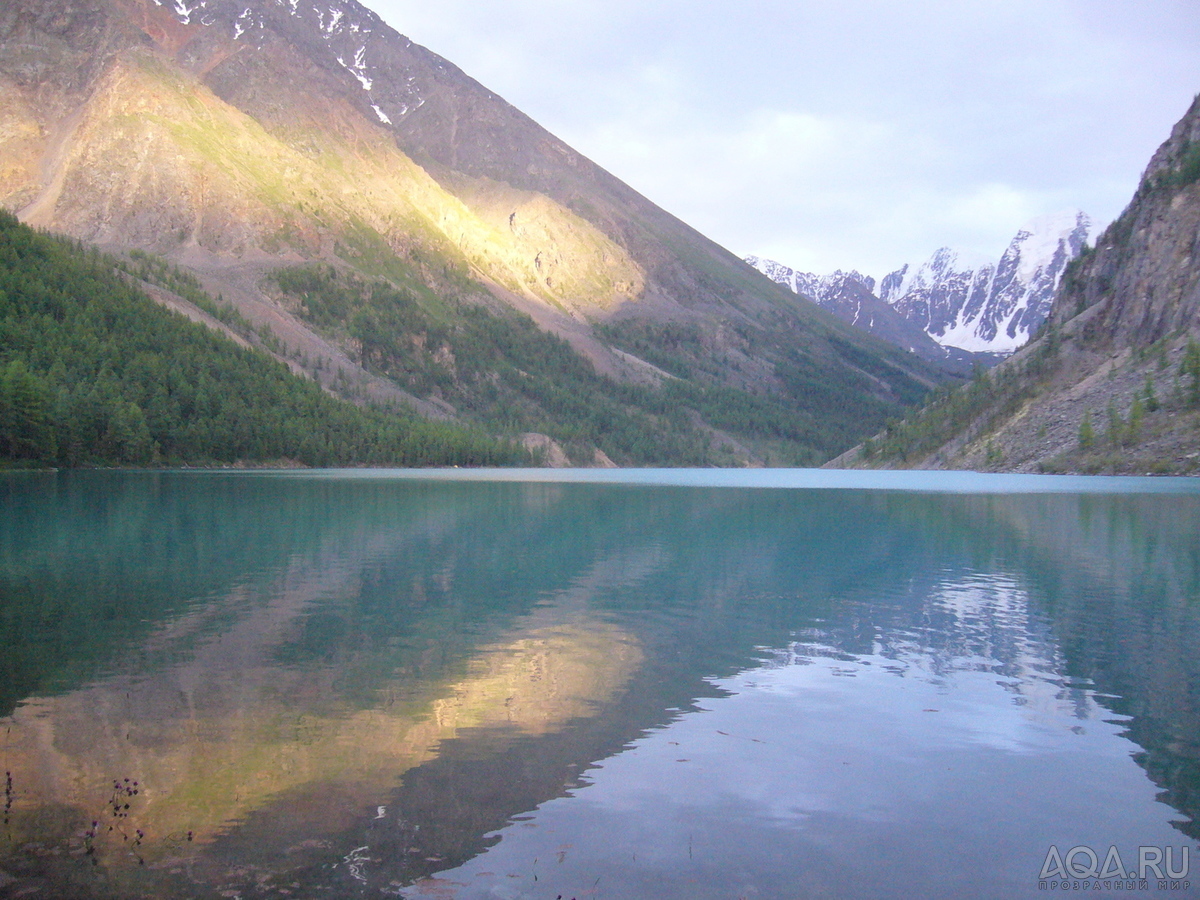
(238, 139)
(851, 297)
(1111, 384)
(973, 311)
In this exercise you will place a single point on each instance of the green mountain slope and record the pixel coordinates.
(94, 372)
(496, 367)
(1112, 383)
(238, 139)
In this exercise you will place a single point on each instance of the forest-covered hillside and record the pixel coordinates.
(496, 367)
(93, 372)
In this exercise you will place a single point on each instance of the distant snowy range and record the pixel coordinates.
(950, 308)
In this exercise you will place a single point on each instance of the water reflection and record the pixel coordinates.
(256, 723)
(833, 777)
(372, 686)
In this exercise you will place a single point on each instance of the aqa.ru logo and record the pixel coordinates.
(1166, 866)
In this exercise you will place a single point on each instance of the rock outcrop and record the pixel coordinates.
(1112, 382)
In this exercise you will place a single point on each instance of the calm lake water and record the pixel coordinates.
(527, 684)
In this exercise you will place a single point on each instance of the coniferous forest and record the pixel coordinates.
(93, 372)
(499, 369)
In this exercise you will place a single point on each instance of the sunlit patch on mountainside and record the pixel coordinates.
(160, 161)
(238, 139)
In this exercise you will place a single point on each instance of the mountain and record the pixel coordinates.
(850, 296)
(241, 139)
(1111, 384)
(94, 372)
(961, 309)
(816, 287)
(992, 308)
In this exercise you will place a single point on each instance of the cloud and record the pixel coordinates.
(817, 192)
(862, 134)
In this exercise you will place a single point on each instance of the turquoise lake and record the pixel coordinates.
(650, 684)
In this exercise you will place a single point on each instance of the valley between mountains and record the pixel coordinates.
(359, 209)
(1110, 382)
(400, 268)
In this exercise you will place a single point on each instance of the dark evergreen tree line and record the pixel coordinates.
(92, 372)
(505, 372)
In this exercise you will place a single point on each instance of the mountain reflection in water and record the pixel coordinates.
(366, 686)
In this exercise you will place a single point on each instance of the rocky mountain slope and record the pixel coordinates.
(1112, 383)
(959, 308)
(851, 297)
(990, 308)
(238, 138)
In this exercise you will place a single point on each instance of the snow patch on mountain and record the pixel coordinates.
(344, 26)
(246, 21)
(992, 307)
(358, 69)
(185, 12)
(963, 302)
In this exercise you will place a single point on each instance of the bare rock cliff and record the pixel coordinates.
(1143, 278)
(1112, 385)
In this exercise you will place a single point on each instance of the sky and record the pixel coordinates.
(859, 134)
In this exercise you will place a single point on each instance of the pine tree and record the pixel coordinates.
(1151, 398)
(1116, 425)
(1137, 412)
(1190, 367)
(26, 425)
(1087, 434)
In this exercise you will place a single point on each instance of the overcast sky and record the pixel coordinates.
(850, 134)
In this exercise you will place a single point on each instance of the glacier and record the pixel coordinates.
(966, 303)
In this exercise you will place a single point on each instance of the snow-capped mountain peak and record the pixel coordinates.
(1044, 237)
(993, 307)
(815, 287)
(963, 302)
